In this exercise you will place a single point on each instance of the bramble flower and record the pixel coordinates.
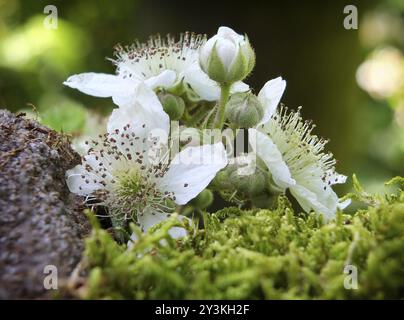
(159, 63)
(295, 158)
(129, 171)
(227, 57)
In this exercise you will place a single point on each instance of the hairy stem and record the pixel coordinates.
(224, 97)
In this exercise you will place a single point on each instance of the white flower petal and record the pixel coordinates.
(206, 49)
(239, 86)
(270, 154)
(200, 82)
(166, 79)
(205, 87)
(101, 84)
(270, 95)
(192, 170)
(144, 113)
(77, 184)
(309, 200)
(343, 204)
(227, 51)
(229, 33)
(149, 219)
(336, 178)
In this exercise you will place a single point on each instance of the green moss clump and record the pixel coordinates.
(261, 254)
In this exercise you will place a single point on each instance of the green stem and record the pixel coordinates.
(224, 97)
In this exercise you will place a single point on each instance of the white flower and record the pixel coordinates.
(129, 169)
(295, 158)
(159, 63)
(227, 56)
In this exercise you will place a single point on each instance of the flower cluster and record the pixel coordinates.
(139, 173)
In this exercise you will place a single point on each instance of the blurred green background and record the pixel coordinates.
(350, 82)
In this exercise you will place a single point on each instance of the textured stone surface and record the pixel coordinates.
(41, 223)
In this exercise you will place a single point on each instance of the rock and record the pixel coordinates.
(41, 222)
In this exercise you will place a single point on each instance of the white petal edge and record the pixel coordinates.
(200, 82)
(269, 96)
(148, 220)
(264, 147)
(309, 200)
(165, 79)
(239, 86)
(100, 84)
(206, 88)
(144, 113)
(75, 181)
(191, 171)
(343, 204)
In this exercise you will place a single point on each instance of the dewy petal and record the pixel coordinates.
(309, 200)
(144, 113)
(149, 219)
(101, 84)
(270, 154)
(192, 170)
(78, 185)
(270, 95)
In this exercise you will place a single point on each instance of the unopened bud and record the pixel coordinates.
(173, 105)
(203, 200)
(249, 184)
(227, 57)
(244, 110)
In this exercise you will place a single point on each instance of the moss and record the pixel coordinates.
(261, 254)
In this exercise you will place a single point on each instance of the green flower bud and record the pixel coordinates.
(227, 57)
(244, 110)
(173, 105)
(221, 181)
(264, 200)
(203, 200)
(251, 184)
(243, 176)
